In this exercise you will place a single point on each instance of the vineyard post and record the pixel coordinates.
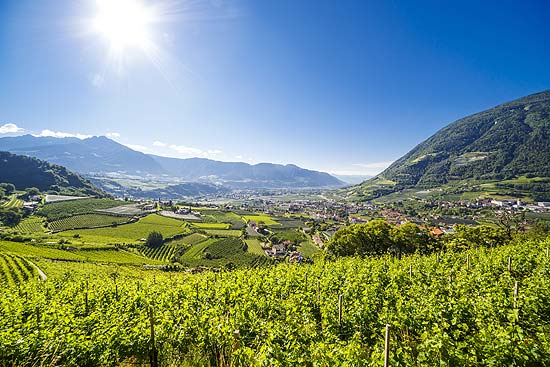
(437, 257)
(340, 297)
(38, 317)
(153, 356)
(410, 271)
(516, 292)
(547, 251)
(318, 291)
(387, 347)
(468, 261)
(509, 264)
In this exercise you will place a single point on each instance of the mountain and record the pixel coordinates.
(502, 143)
(99, 155)
(93, 155)
(25, 172)
(244, 175)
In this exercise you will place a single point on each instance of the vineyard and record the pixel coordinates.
(86, 221)
(15, 270)
(13, 202)
(164, 253)
(484, 307)
(30, 225)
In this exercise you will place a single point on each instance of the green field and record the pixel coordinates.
(15, 270)
(265, 219)
(218, 216)
(211, 225)
(86, 221)
(13, 202)
(308, 248)
(254, 247)
(195, 251)
(131, 233)
(30, 225)
(96, 254)
(64, 209)
(224, 232)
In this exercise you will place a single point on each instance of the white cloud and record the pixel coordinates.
(113, 135)
(10, 129)
(187, 152)
(158, 144)
(139, 148)
(59, 134)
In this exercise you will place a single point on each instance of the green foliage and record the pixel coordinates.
(65, 209)
(10, 216)
(24, 172)
(278, 316)
(154, 239)
(465, 237)
(504, 142)
(87, 221)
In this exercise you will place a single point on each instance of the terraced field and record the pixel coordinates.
(15, 269)
(86, 221)
(30, 225)
(13, 202)
(254, 246)
(164, 253)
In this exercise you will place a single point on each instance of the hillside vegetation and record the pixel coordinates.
(25, 172)
(505, 142)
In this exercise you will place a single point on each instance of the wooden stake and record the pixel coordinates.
(318, 291)
(387, 347)
(516, 292)
(509, 264)
(340, 297)
(468, 261)
(547, 252)
(410, 271)
(153, 357)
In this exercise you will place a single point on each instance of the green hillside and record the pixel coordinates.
(25, 172)
(506, 142)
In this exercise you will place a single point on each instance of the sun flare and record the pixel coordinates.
(124, 24)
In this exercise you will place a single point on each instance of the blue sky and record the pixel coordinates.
(341, 86)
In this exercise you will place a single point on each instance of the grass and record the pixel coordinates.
(308, 248)
(212, 225)
(64, 209)
(195, 251)
(86, 221)
(265, 219)
(224, 232)
(131, 233)
(254, 247)
(190, 240)
(219, 216)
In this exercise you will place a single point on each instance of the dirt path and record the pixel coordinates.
(42, 275)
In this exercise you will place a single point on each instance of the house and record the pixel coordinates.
(544, 204)
(437, 232)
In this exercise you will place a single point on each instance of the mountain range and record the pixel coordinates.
(101, 155)
(508, 141)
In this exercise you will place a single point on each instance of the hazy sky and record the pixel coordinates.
(341, 86)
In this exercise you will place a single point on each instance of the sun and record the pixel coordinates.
(124, 24)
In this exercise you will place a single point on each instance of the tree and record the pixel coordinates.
(154, 240)
(10, 217)
(8, 188)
